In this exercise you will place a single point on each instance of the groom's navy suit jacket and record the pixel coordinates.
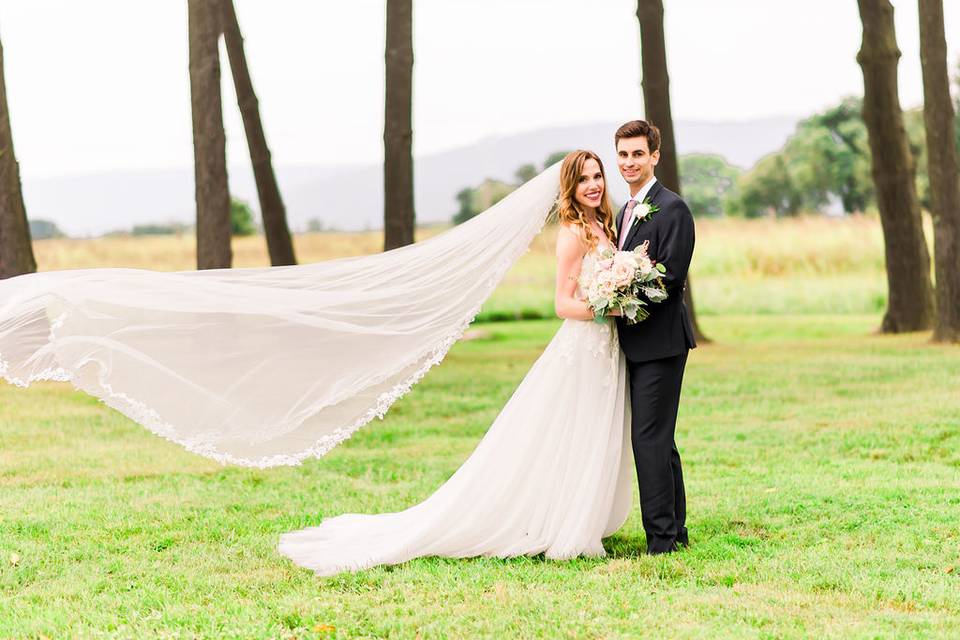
(668, 331)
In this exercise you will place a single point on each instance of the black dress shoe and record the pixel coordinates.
(652, 551)
(658, 552)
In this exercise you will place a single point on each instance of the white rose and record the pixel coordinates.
(625, 258)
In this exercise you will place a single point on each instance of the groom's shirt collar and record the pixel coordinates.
(644, 190)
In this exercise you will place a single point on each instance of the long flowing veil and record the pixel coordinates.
(265, 366)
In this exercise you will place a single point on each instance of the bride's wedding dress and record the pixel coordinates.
(552, 475)
(272, 366)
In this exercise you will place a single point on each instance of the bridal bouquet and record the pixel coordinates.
(619, 279)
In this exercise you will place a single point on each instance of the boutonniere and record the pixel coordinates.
(644, 210)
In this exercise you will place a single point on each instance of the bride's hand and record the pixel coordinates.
(615, 313)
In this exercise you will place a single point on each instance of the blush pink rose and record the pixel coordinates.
(623, 274)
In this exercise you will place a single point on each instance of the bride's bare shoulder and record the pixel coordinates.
(569, 230)
(570, 241)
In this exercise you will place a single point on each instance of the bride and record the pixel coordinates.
(270, 366)
(553, 473)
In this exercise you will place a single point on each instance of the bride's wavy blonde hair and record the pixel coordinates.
(568, 209)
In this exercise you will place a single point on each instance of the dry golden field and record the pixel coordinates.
(802, 265)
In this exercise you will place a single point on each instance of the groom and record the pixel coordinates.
(656, 349)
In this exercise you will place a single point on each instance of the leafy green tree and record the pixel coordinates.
(43, 229)
(490, 192)
(554, 158)
(160, 229)
(830, 154)
(768, 189)
(473, 200)
(241, 218)
(467, 210)
(526, 173)
(706, 180)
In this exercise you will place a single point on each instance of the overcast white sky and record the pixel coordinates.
(102, 84)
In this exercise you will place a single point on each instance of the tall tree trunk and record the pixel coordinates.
(656, 100)
(398, 211)
(943, 168)
(16, 252)
(209, 140)
(279, 242)
(910, 306)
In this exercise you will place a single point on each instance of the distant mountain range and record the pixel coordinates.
(351, 197)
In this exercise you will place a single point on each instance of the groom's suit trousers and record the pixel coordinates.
(655, 397)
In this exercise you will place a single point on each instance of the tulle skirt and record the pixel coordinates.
(552, 475)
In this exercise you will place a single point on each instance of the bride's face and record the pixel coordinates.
(590, 185)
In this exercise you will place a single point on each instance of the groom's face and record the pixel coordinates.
(635, 161)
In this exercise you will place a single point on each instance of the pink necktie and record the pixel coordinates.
(625, 223)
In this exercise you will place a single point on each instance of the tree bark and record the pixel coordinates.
(910, 305)
(209, 139)
(279, 242)
(16, 251)
(398, 214)
(943, 169)
(656, 101)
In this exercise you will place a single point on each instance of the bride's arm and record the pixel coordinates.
(570, 252)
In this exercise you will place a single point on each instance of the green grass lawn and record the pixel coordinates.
(822, 464)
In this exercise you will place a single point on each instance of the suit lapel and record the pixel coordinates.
(650, 197)
(654, 190)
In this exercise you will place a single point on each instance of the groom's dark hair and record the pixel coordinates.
(639, 129)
